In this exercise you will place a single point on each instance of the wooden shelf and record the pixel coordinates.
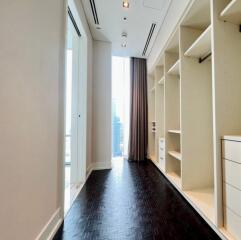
(176, 155)
(232, 13)
(203, 199)
(175, 179)
(175, 69)
(202, 46)
(175, 131)
(161, 81)
(153, 89)
(226, 233)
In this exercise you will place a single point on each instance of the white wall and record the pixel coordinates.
(175, 13)
(31, 87)
(102, 104)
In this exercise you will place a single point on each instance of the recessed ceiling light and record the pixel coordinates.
(126, 4)
(124, 18)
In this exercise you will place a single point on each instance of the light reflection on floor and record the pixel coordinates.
(118, 162)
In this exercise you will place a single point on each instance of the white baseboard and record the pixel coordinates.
(101, 165)
(56, 220)
(51, 227)
(89, 170)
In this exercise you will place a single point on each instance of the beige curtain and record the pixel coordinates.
(138, 138)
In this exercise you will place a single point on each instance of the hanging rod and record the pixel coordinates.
(200, 60)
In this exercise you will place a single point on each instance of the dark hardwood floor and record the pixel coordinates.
(132, 201)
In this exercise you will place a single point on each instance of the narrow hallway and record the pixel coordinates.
(132, 201)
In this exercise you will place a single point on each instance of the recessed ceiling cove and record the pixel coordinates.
(136, 21)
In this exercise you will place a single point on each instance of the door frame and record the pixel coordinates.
(82, 102)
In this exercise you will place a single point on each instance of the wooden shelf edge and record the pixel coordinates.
(175, 154)
(153, 89)
(161, 81)
(175, 131)
(224, 14)
(199, 40)
(175, 69)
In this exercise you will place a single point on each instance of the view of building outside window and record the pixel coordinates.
(120, 106)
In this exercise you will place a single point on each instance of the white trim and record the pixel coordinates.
(56, 220)
(101, 165)
(89, 170)
(51, 227)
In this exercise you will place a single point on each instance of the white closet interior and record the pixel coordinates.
(194, 101)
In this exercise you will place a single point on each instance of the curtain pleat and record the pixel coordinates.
(138, 139)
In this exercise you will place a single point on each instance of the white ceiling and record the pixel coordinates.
(140, 16)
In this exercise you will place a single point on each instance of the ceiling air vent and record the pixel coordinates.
(153, 26)
(94, 12)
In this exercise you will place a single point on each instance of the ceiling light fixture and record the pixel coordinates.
(123, 45)
(126, 4)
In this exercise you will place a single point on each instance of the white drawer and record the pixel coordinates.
(232, 150)
(232, 173)
(161, 158)
(161, 143)
(232, 223)
(162, 153)
(161, 149)
(232, 199)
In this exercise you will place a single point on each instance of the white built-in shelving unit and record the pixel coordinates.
(196, 102)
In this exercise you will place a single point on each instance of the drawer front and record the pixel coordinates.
(232, 173)
(161, 145)
(232, 150)
(162, 154)
(232, 223)
(161, 159)
(161, 149)
(232, 199)
(162, 142)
